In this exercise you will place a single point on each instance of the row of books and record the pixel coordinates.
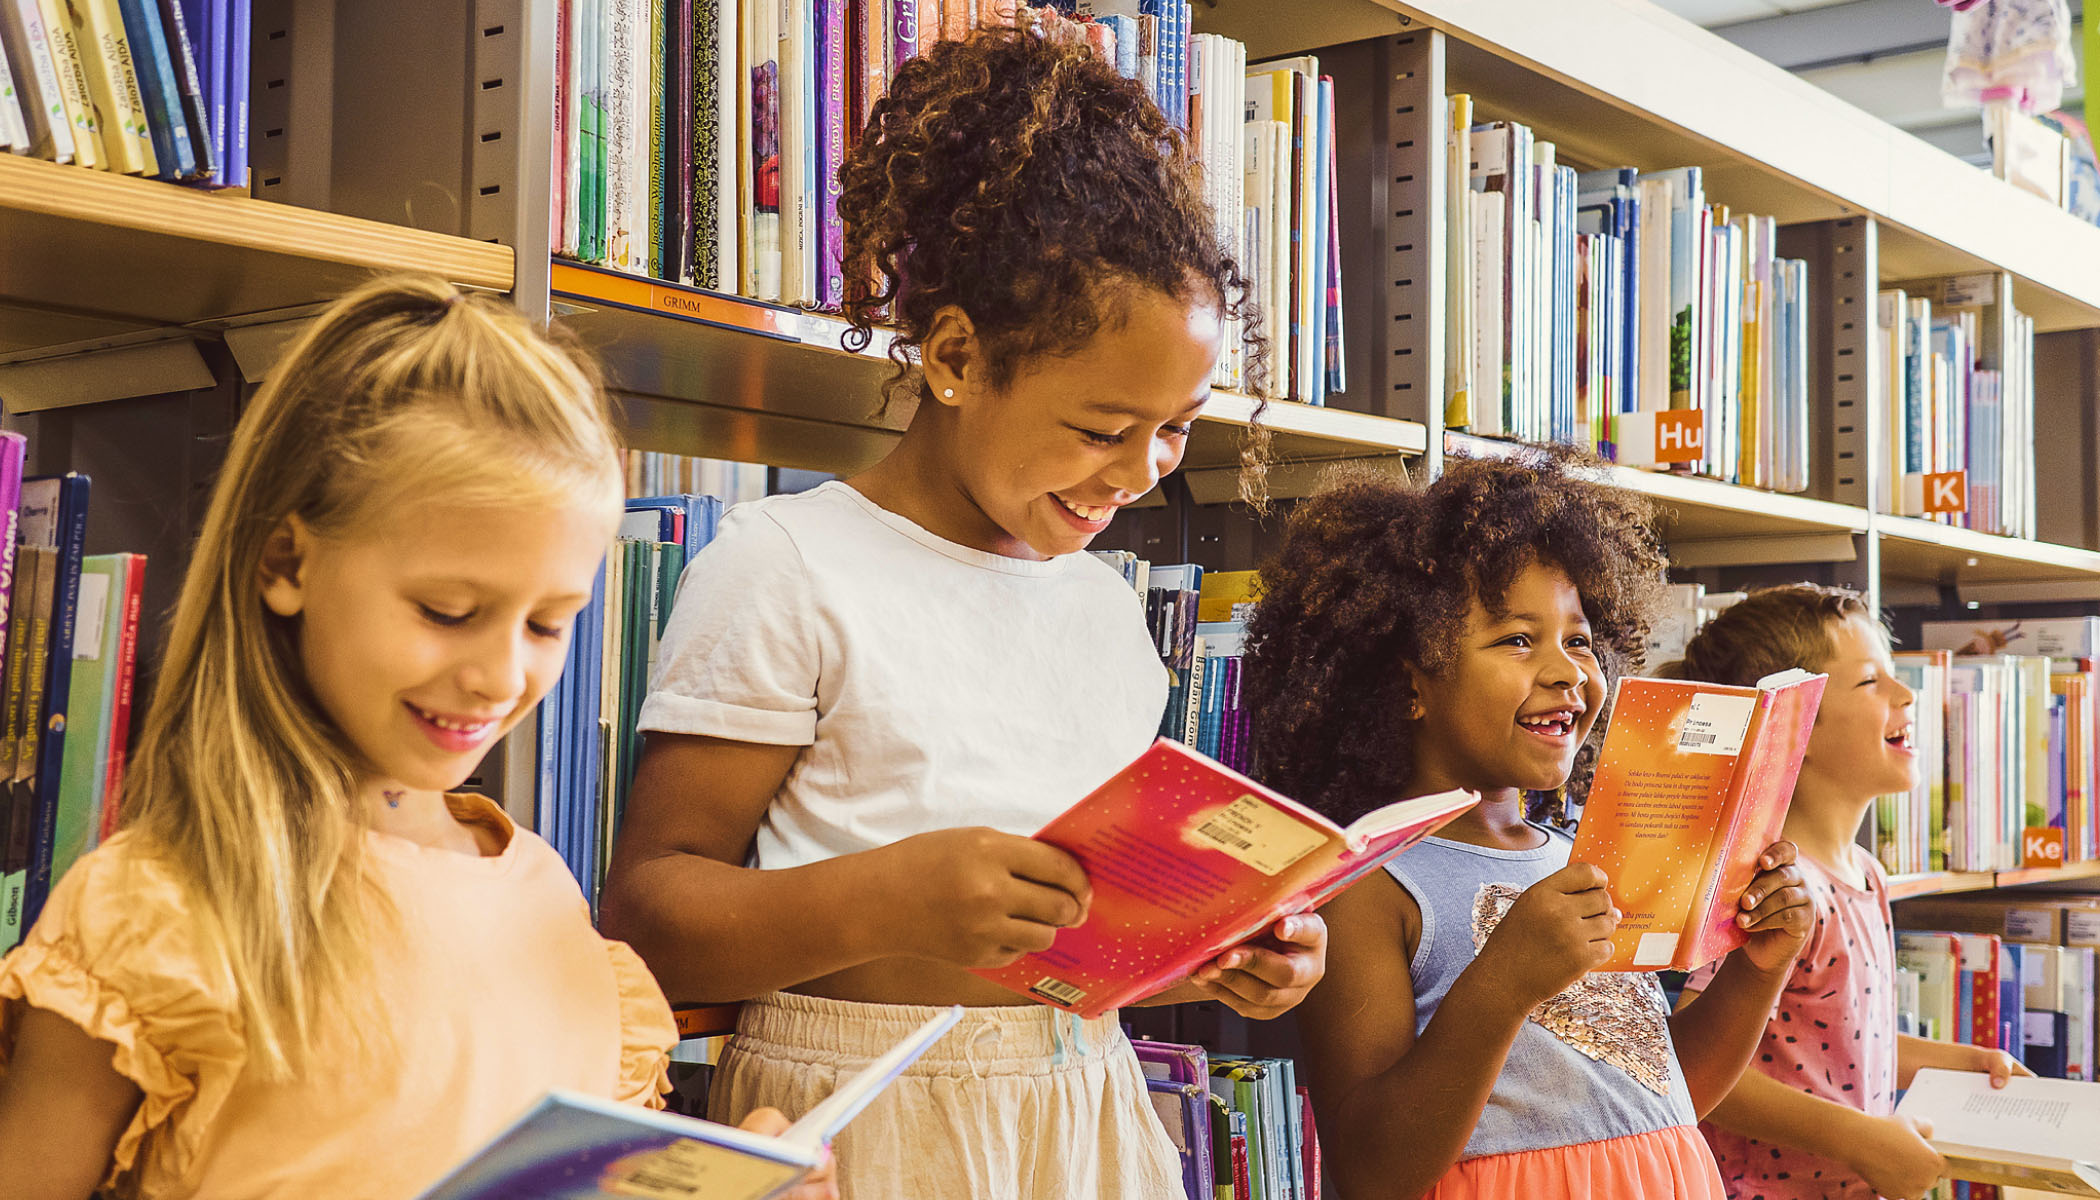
(1949, 409)
(587, 743)
(654, 473)
(699, 141)
(1198, 624)
(69, 626)
(157, 88)
(1242, 1125)
(2006, 763)
(2035, 954)
(1581, 304)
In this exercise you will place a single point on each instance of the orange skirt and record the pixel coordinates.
(1670, 1162)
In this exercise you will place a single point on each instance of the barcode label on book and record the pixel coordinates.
(1058, 992)
(1716, 724)
(695, 1170)
(1259, 834)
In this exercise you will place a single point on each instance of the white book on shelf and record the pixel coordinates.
(1490, 284)
(2035, 1133)
(43, 98)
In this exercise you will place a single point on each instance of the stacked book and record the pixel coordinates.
(587, 743)
(1582, 305)
(1951, 407)
(69, 625)
(699, 141)
(157, 88)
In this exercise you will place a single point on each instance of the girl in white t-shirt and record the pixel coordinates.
(869, 695)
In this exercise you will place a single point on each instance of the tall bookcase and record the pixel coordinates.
(392, 134)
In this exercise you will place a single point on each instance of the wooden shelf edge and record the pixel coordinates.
(1355, 434)
(30, 186)
(1941, 883)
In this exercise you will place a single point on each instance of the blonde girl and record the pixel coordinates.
(306, 966)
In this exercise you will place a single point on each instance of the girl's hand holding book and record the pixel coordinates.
(1267, 976)
(1775, 910)
(975, 897)
(1555, 933)
(1893, 1156)
(820, 1184)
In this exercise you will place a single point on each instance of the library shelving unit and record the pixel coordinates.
(117, 293)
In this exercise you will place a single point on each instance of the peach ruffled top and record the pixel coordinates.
(493, 989)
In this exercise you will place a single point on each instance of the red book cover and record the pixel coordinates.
(120, 702)
(1188, 859)
(1242, 1170)
(1693, 784)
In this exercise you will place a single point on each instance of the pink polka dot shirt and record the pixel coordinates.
(1833, 1035)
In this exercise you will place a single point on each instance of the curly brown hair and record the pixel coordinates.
(1377, 575)
(1772, 629)
(1029, 184)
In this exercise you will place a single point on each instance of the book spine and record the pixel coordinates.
(23, 832)
(50, 129)
(651, 100)
(1710, 929)
(13, 455)
(111, 89)
(158, 89)
(831, 150)
(120, 706)
(69, 57)
(700, 41)
(182, 51)
(239, 35)
(72, 548)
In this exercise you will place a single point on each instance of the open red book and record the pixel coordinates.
(1189, 859)
(1692, 786)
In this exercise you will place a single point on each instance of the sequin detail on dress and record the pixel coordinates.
(1612, 1017)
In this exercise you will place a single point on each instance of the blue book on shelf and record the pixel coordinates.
(159, 88)
(575, 1147)
(238, 41)
(702, 515)
(54, 515)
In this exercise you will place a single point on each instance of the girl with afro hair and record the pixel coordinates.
(869, 695)
(1466, 635)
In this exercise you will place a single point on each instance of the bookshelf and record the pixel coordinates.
(114, 287)
(1941, 883)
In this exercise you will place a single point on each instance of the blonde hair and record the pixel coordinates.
(405, 390)
(1770, 630)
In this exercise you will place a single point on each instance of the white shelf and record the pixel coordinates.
(1626, 83)
(1929, 552)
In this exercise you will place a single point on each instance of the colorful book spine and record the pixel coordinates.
(121, 706)
(159, 88)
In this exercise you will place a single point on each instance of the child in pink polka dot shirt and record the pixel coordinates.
(1814, 1117)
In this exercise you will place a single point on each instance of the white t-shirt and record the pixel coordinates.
(936, 686)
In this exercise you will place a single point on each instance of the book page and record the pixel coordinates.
(2053, 1118)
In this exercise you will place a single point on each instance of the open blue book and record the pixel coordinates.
(574, 1147)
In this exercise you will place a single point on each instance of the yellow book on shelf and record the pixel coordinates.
(113, 84)
(71, 65)
(1458, 265)
(1224, 591)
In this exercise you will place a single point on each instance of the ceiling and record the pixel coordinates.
(1884, 56)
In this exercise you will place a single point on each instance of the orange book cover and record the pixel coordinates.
(1693, 784)
(1188, 859)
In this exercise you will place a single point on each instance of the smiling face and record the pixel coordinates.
(1861, 745)
(431, 635)
(1519, 696)
(1054, 455)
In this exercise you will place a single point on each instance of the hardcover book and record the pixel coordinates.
(1188, 859)
(1693, 783)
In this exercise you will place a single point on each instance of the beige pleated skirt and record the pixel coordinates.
(1013, 1104)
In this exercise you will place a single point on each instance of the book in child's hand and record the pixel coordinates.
(2031, 1133)
(573, 1147)
(1189, 859)
(1693, 783)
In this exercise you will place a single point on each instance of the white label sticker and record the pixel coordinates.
(1654, 949)
(90, 609)
(1257, 833)
(2038, 1028)
(2030, 925)
(2034, 967)
(2081, 928)
(1716, 724)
